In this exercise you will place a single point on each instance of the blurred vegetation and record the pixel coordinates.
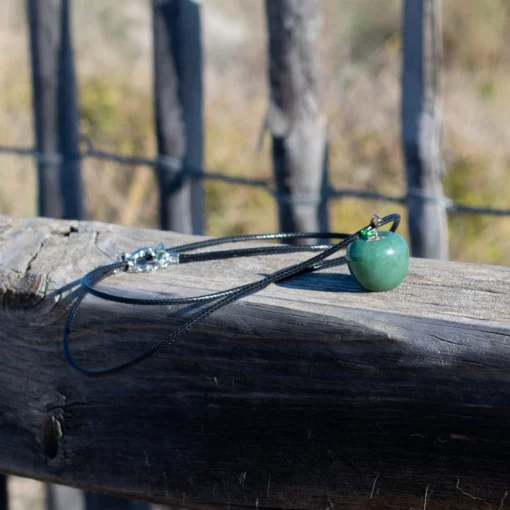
(361, 64)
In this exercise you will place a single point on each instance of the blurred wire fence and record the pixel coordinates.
(174, 166)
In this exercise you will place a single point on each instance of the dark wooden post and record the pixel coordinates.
(4, 499)
(422, 127)
(178, 112)
(56, 115)
(295, 117)
(62, 497)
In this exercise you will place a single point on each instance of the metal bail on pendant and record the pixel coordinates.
(370, 232)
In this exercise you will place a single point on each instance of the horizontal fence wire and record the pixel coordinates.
(175, 166)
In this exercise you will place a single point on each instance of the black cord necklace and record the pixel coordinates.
(152, 259)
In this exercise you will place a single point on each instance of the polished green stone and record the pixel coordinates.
(379, 263)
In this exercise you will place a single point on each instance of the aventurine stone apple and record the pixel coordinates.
(378, 260)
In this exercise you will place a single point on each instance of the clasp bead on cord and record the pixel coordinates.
(149, 259)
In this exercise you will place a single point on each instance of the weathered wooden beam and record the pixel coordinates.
(296, 117)
(422, 124)
(310, 394)
(178, 103)
(56, 117)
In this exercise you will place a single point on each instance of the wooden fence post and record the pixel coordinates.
(3, 493)
(56, 116)
(422, 127)
(295, 116)
(178, 112)
(61, 497)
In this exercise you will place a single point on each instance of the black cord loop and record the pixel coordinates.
(220, 298)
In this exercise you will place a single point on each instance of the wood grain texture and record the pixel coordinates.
(310, 394)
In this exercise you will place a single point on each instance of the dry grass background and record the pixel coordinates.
(361, 63)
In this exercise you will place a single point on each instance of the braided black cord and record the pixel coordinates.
(259, 237)
(224, 297)
(90, 279)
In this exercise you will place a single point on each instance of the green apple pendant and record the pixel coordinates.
(378, 260)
